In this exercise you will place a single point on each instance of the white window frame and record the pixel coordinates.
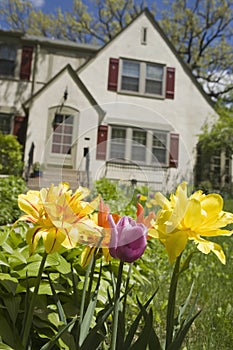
(142, 79)
(149, 158)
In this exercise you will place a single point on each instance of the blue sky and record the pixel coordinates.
(51, 5)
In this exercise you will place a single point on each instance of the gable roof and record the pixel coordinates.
(79, 83)
(157, 27)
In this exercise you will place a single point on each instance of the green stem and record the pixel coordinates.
(29, 317)
(116, 307)
(82, 306)
(172, 303)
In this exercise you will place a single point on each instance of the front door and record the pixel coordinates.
(62, 130)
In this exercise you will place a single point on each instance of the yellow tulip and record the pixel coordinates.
(184, 218)
(59, 217)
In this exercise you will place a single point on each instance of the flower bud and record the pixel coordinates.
(128, 239)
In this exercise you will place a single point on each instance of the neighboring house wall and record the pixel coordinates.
(26, 65)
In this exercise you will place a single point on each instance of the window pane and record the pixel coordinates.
(130, 76)
(139, 136)
(5, 123)
(154, 72)
(131, 69)
(138, 146)
(153, 87)
(130, 84)
(139, 153)
(159, 147)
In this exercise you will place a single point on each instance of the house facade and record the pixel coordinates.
(130, 110)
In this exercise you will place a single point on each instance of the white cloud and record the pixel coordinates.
(38, 3)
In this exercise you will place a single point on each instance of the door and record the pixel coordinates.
(62, 131)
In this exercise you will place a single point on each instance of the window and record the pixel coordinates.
(7, 60)
(5, 123)
(159, 147)
(118, 143)
(147, 147)
(62, 135)
(144, 36)
(142, 77)
(139, 145)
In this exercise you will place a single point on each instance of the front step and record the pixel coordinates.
(54, 176)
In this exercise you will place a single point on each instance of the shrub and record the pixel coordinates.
(10, 155)
(10, 188)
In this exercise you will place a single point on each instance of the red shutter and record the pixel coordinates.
(26, 61)
(18, 121)
(174, 150)
(102, 142)
(113, 74)
(170, 83)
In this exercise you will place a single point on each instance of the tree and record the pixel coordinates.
(201, 30)
(215, 149)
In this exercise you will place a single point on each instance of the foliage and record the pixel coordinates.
(49, 301)
(201, 31)
(121, 196)
(213, 140)
(10, 155)
(10, 188)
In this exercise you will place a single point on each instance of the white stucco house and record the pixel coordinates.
(130, 110)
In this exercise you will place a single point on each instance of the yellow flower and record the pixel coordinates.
(185, 218)
(59, 217)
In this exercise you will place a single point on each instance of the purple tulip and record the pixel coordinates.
(128, 239)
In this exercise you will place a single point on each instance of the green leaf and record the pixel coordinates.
(3, 236)
(93, 338)
(58, 303)
(12, 304)
(134, 326)
(10, 283)
(8, 333)
(85, 325)
(144, 336)
(5, 347)
(177, 342)
(59, 263)
(63, 329)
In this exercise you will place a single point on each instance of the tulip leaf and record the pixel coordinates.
(177, 342)
(85, 325)
(58, 303)
(63, 329)
(143, 339)
(94, 338)
(134, 326)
